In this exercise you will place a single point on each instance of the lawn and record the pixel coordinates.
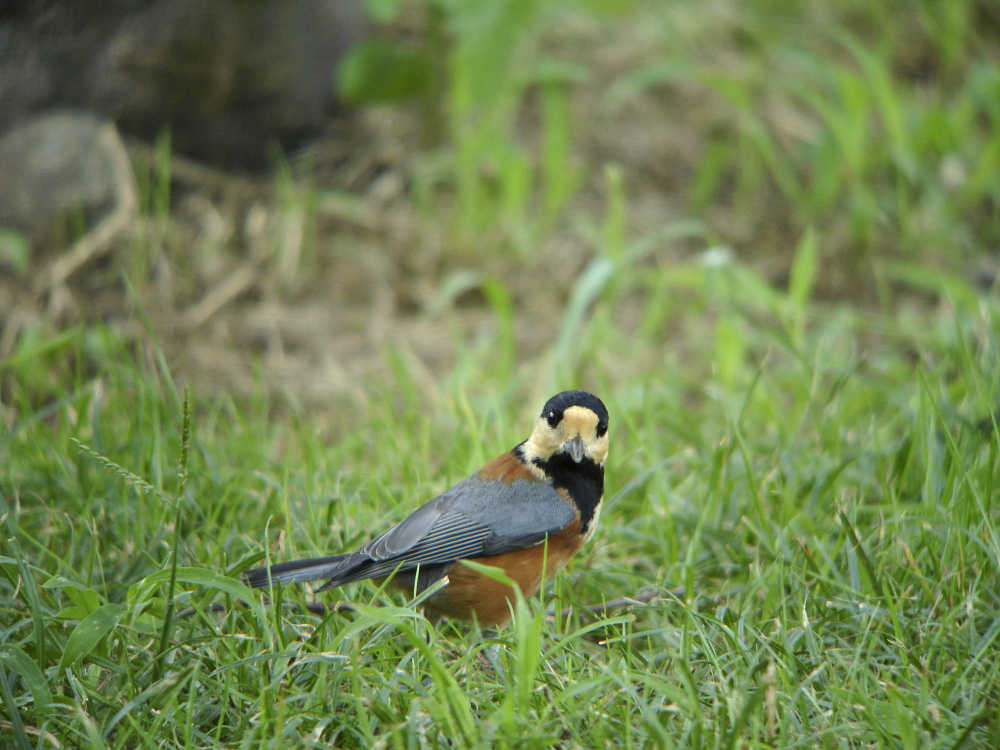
(797, 344)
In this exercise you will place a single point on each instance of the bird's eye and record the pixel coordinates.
(552, 418)
(602, 429)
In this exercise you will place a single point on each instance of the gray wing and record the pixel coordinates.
(474, 518)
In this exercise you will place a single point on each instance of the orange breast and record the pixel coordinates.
(472, 596)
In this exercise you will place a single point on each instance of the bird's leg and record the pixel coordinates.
(491, 653)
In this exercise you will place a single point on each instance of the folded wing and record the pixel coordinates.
(475, 518)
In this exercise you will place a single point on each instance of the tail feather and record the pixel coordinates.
(313, 569)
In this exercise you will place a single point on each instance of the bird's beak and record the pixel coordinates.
(574, 448)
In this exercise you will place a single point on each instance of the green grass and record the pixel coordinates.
(879, 124)
(820, 479)
(821, 482)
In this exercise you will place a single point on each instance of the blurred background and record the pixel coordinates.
(273, 272)
(298, 196)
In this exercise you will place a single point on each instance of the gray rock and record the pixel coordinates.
(52, 166)
(230, 79)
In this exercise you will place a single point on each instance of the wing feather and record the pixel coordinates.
(475, 518)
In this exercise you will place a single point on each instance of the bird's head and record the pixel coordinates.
(572, 423)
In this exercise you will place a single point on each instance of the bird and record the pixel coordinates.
(527, 512)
